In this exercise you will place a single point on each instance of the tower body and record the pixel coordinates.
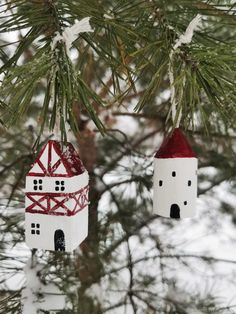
(175, 178)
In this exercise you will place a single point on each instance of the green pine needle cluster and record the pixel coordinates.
(132, 40)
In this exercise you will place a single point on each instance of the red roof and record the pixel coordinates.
(175, 146)
(57, 161)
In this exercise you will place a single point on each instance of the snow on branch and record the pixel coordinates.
(71, 33)
(37, 296)
(185, 38)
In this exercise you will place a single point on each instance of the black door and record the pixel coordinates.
(59, 240)
(174, 211)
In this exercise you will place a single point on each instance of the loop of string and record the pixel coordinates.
(185, 38)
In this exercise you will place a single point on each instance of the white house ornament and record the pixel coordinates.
(175, 178)
(56, 199)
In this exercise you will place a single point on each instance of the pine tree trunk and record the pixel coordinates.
(90, 266)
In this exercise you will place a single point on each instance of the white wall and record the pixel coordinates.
(72, 184)
(175, 190)
(74, 227)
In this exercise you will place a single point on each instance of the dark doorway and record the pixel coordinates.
(174, 211)
(59, 240)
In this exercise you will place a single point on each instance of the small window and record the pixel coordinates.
(35, 228)
(38, 185)
(185, 202)
(160, 183)
(60, 186)
(189, 182)
(173, 174)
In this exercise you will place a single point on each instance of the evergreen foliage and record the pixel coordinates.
(117, 78)
(132, 41)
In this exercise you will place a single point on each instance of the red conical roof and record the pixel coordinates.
(175, 146)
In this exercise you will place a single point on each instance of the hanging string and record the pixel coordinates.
(185, 38)
(68, 36)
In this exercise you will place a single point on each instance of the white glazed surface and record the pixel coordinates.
(175, 190)
(74, 227)
(72, 184)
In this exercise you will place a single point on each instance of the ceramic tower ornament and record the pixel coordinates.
(56, 199)
(175, 177)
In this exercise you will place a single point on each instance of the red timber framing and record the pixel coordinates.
(80, 197)
(69, 159)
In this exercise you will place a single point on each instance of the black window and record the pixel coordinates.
(160, 183)
(38, 184)
(185, 202)
(189, 182)
(35, 228)
(173, 173)
(60, 186)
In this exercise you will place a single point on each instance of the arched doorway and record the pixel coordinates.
(59, 240)
(174, 211)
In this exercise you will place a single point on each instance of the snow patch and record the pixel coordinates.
(95, 292)
(71, 33)
(186, 38)
(50, 296)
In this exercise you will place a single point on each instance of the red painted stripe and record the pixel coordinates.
(81, 201)
(37, 160)
(59, 204)
(42, 167)
(58, 150)
(36, 202)
(58, 175)
(70, 160)
(48, 202)
(40, 154)
(66, 165)
(56, 165)
(69, 213)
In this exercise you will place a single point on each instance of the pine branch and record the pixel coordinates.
(153, 34)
